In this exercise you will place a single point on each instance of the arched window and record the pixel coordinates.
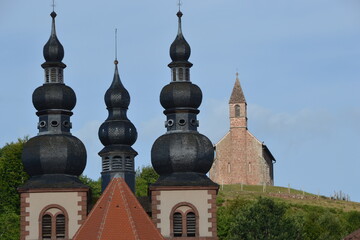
(190, 224)
(53, 223)
(177, 224)
(46, 226)
(184, 220)
(237, 111)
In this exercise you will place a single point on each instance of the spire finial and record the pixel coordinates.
(116, 61)
(179, 4)
(237, 75)
(53, 5)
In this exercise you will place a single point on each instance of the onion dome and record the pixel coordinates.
(179, 94)
(117, 129)
(53, 50)
(54, 154)
(182, 152)
(180, 49)
(54, 96)
(117, 96)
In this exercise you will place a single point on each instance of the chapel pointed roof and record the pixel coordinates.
(237, 95)
(118, 215)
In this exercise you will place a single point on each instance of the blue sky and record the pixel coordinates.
(298, 63)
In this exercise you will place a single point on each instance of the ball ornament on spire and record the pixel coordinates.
(53, 50)
(180, 49)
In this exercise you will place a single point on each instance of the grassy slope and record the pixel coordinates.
(291, 196)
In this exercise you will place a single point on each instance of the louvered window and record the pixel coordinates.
(46, 226)
(116, 163)
(106, 164)
(129, 164)
(190, 224)
(177, 222)
(60, 226)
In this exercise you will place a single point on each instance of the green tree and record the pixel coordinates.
(12, 176)
(263, 219)
(95, 187)
(144, 177)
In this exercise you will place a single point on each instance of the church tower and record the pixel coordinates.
(238, 107)
(240, 157)
(117, 134)
(183, 198)
(53, 200)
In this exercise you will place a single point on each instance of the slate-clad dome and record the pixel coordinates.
(182, 152)
(54, 154)
(53, 50)
(117, 129)
(117, 96)
(54, 96)
(117, 132)
(181, 94)
(180, 49)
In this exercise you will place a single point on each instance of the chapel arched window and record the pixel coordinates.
(237, 111)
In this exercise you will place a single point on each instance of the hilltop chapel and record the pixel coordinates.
(55, 203)
(240, 156)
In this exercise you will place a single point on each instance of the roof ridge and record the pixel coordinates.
(102, 224)
(126, 205)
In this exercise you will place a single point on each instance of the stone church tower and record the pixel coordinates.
(53, 201)
(240, 157)
(183, 198)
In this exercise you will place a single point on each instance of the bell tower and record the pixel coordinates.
(53, 200)
(183, 198)
(238, 106)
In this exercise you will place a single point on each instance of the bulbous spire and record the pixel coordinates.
(54, 157)
(182, 156)
(53, 50)
(117, 96)
(117, 134)
(180, 49)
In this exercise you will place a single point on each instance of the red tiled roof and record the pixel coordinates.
(237, 95)
(118, 215)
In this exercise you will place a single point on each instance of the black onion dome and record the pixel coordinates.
(54, 154)
(117, 96)
(180, 49)
(121, 132)
(182, 152)
(54, 96)
(180, 94)
(53, 50)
